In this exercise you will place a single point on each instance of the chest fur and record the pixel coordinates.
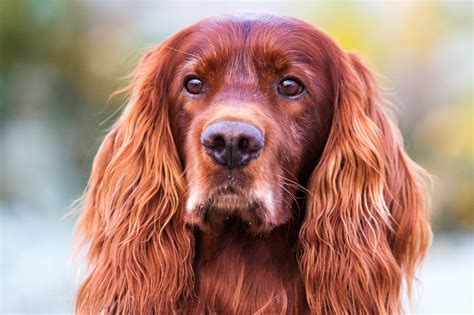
(236, 275)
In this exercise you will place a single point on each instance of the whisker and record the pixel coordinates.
(293, 179)
(293, 183)
(291, 195)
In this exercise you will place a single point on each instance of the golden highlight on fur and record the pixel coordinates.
(366, 222)
(344, 221)
(140, 251)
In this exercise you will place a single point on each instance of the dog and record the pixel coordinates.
(255, 170)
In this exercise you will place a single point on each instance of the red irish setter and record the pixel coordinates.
(254, 171)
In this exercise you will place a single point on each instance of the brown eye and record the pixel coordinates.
(194, 85)
(290, 87)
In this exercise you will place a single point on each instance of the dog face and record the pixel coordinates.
(236, 117)
(253, 112)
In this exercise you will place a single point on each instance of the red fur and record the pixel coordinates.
(341, 215)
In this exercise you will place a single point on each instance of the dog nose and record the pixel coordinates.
(232, 143)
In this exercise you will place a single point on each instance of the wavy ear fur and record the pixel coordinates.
(140, 254)
(366, 226)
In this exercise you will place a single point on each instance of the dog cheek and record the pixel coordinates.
(192, 199)
(266, 196)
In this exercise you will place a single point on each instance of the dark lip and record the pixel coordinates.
(251, 223)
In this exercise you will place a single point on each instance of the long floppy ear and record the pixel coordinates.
(140, 254)
(366, 226)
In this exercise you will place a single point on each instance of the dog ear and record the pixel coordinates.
(366, 224)
(140, 254)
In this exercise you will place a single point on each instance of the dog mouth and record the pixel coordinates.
(230, 202)
(228, 205)
(231, 197)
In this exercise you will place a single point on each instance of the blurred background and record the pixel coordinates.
(60, 61)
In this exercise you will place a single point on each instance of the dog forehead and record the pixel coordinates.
(247, 38)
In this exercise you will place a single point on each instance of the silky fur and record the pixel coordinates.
(359, 232)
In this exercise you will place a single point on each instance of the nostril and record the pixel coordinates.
(218, 144)
(250, 144)
(243, 144)
(214, 142)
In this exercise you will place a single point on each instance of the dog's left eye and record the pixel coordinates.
(194, 85)
(290, 87)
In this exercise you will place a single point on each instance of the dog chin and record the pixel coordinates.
(231, 203)
(230, 210)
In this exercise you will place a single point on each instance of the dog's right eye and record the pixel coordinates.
(194, 85)
(290, 87)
